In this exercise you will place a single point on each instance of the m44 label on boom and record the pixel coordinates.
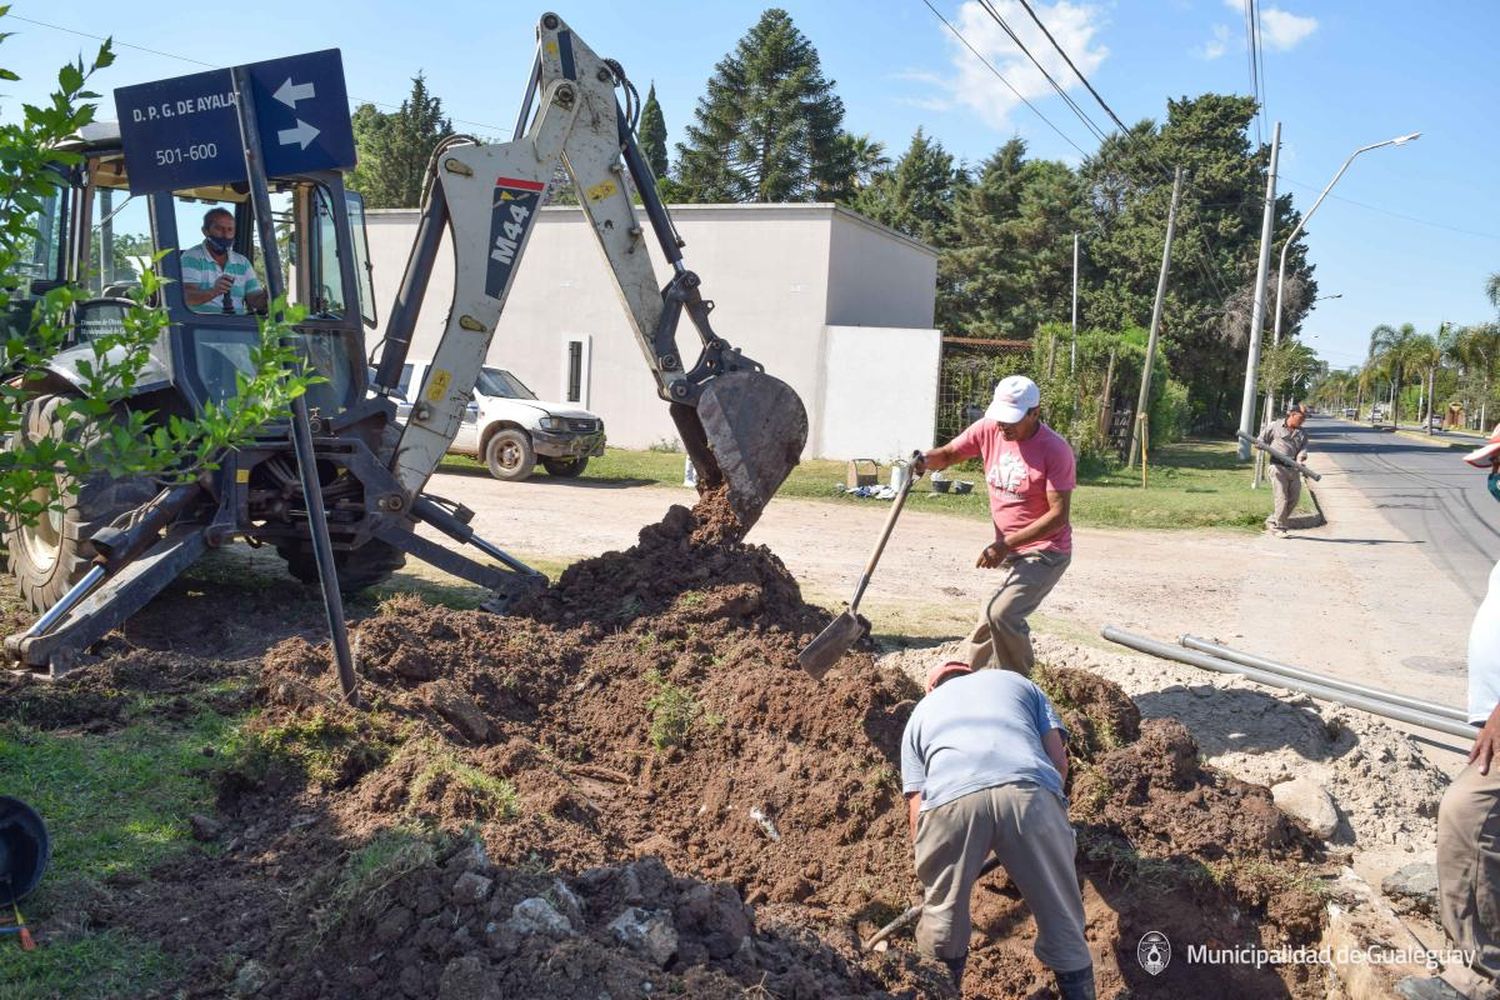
(514, 211)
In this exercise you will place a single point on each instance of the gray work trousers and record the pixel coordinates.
(1026, 827)
(1001, 634)
(1468, 865)
(1286, 490)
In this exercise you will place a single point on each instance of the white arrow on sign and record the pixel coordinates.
(303, 134)
(290, 93)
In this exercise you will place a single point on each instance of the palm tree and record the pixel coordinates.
(1492, 289)
(1390, 347)
(1425, 353)
(1479, 349)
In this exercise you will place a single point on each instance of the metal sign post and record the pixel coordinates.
(312, 490)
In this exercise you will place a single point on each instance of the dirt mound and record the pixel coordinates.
(645, 764)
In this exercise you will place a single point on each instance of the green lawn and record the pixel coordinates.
(1192, 484)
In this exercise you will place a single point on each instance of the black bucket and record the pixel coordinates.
(25, 850)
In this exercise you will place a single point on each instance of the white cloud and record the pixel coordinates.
(1216, 46)
(1280, 30)
(974, 87)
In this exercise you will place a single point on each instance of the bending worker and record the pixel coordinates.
(983, 765)
(1030, 471)
(1289, 438)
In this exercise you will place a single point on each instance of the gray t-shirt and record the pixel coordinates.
(977, 731)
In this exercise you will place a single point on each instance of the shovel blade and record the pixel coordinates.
(747, 431)
(819, 656)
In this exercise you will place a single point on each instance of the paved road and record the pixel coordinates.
(1426, 492)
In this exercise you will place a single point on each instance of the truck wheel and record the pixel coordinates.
(47, 557)
(371, 563)
(510, 456)
(566, 468)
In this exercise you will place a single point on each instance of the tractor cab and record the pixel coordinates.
(95, 234)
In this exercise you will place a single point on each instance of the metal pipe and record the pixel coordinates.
(1167, 651)
(1379, 694)
(66, 603)
(431, 226)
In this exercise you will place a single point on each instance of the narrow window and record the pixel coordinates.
(575, 371)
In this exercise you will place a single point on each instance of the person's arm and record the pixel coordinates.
(195, 296)
(1487, 742)
(913, 810)
(1057, 752)
(255, 294)
(913, 771)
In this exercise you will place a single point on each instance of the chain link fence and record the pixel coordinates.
(967, 376)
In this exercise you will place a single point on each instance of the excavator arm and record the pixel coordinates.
(743, 429)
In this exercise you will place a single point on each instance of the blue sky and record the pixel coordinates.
(1409, 234)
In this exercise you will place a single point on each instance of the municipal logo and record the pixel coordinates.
(1154, 952)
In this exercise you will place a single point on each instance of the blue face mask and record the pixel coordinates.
(1495, 484)
(219, 243)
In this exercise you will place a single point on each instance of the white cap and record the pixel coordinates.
(1013, 397)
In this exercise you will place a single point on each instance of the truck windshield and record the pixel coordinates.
(496, 382)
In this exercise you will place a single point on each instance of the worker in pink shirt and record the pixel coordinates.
(1031, 472)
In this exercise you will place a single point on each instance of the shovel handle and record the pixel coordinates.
(885, 534)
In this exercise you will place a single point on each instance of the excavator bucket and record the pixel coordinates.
(747, 431)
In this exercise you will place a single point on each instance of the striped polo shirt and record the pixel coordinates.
(201, 271)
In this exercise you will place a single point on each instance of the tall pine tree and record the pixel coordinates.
(916, 195)
(394, 148)
(769, 127)
(653, 134)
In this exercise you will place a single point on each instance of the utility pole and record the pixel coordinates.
(1073, 351)
(1258, 308)
(1161, 294)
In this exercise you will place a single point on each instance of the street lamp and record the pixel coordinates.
(1400, 140)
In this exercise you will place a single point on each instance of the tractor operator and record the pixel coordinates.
(1289, 438)
(1031, 472)
(983, 765)
(215, 278)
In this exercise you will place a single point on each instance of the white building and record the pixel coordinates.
(839, 307)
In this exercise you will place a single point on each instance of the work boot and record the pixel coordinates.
(956, 969)
(1076, 985)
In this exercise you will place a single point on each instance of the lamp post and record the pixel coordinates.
(1400, 140)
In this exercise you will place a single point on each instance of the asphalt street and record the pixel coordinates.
(1428, 493)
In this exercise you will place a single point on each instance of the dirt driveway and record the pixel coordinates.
(1355, 598)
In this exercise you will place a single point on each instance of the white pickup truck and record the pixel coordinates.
(510, 430)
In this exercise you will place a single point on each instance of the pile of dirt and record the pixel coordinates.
(663, 802)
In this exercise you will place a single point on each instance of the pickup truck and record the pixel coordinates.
(510, 430)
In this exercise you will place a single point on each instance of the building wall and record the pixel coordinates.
(877, 277)
(767, 269)
(874, 408)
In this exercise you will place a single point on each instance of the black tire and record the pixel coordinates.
(47, 557)
(509, 455)
(371, 563)
(565, 468)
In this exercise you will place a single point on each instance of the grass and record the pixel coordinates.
(1191, 484)
(369, 872)
(673, 712)
(329, 749)
(492, 797)
(115, 805)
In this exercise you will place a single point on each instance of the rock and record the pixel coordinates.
(653, 877)
(471, 889)
(453, 704)
(502, 938)
(715, 915)
(537, 916)
(471, 857)
(568, 904)
(251, 979)
(1310, 802)
(393, 925)
(469, 978)
(649, 932)
(1413, 888)
(205, 829)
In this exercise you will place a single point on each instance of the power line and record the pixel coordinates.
(1082, 79)
(1082, 116)
(496, 129)
(1260, 56)
(1399, 215)
(988, 65)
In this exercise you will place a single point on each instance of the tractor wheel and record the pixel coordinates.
(371, 563)
(50, 555)
(565, 468)
(509, 455)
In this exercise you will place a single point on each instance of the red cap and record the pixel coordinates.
(936, 674)
(1484, 456)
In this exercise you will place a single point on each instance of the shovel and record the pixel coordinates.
(844, 631)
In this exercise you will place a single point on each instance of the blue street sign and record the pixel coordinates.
(185, 132)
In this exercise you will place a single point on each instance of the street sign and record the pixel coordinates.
(184, 132)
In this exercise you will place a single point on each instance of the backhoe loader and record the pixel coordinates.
(743, 429)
